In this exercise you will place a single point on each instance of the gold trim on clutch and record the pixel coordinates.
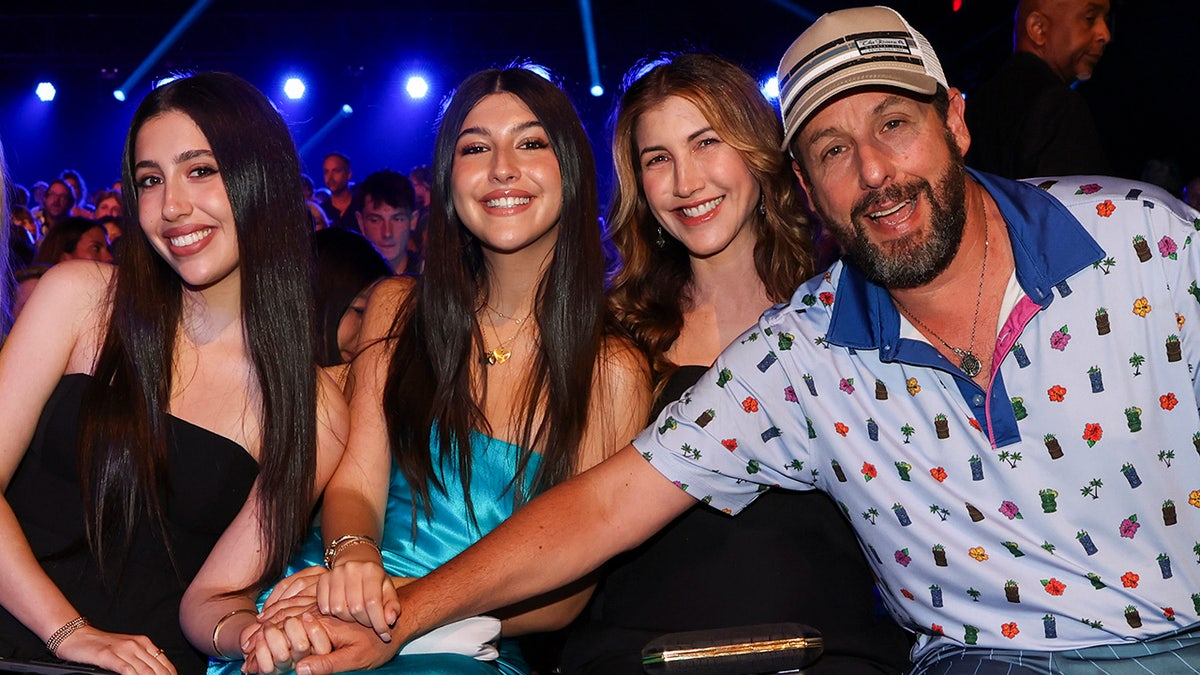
(758, 647)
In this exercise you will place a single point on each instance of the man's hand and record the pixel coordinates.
(355, 647)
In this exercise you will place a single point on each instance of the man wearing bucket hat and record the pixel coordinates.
(994, 385)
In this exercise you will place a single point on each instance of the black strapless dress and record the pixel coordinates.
(789, 556)
(138, 591)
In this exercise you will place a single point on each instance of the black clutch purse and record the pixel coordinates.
(766, 648)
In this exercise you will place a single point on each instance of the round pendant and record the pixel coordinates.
(970, 365)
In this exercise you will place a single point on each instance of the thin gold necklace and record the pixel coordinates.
(968, 362)
(501, 353)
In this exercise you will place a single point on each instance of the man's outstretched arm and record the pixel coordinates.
(552, 541)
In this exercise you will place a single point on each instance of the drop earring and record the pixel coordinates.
(660, 241)
(762, 204)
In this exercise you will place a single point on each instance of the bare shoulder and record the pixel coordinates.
(77, 283)
(392, 292)
(68, 313)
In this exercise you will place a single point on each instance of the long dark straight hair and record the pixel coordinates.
(650, 293)
(124, 427)
(437, 337)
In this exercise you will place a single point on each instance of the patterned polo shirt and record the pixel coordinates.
(1059, 508)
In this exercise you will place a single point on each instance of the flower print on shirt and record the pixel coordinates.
(1057, 393)
(1092, 433)
(1168, 401)
(1168, 249)
(1130, 579)
(847, 385)
(912, 386)
(1010, 510)
(1106, 208)
(1054, 586)
(1090, 188)
(1129, 527)
(1141, 307)
(1060, 338)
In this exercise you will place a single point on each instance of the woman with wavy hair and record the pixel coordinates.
(491, 378)
(166, 432)
(709, 220)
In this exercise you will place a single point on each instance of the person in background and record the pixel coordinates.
(166, 432)
(421, 178)
(319, 219)
(504, 348)
(710, 223)
(81, 208)
(385, 215)
(340, 208)
(348, 267)
(75, 239)
(57, 205)
(1028, 120)
(108, 203)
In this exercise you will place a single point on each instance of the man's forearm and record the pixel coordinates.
(554, 540)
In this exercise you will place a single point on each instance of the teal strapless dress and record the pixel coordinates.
(409, 552)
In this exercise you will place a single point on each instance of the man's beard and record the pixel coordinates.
(911, 260)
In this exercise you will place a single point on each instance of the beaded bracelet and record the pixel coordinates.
(344, 542)
(63, 633)
(217, 630)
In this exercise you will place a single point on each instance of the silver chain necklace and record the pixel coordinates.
(968, 362)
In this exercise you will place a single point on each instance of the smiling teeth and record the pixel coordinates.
(694, 211)
(189, 239)
(881, 214)
(507, 202)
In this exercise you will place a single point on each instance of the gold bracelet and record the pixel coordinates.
(344, 542)
(217, 630)
(63, 633)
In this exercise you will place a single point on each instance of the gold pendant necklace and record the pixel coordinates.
(968, 362)
(501, 353)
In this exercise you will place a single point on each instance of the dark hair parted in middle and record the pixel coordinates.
(437, 335)
(650, 293)
(123, 458)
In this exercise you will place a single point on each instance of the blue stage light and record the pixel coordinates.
(416, 87)
(347, 110)
(45, 92)
(118, 94)
(294, 88)
(597, 90)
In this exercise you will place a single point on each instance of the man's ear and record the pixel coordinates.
(956, 122)
(1037, 25)
(796, 169)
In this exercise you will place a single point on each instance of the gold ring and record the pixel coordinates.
(157, 654)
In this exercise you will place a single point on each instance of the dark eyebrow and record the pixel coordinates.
(183, 157)
(889, 102)
(524, 126)
(691, 137)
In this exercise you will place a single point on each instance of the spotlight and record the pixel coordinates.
(45, 92)
(770, 88)
(118, 94)
(416, 86)
(597, 90)
(294, 88)
(347, 110)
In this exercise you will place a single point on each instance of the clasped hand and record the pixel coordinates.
(316, 612)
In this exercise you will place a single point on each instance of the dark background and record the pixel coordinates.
(1144, 92)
